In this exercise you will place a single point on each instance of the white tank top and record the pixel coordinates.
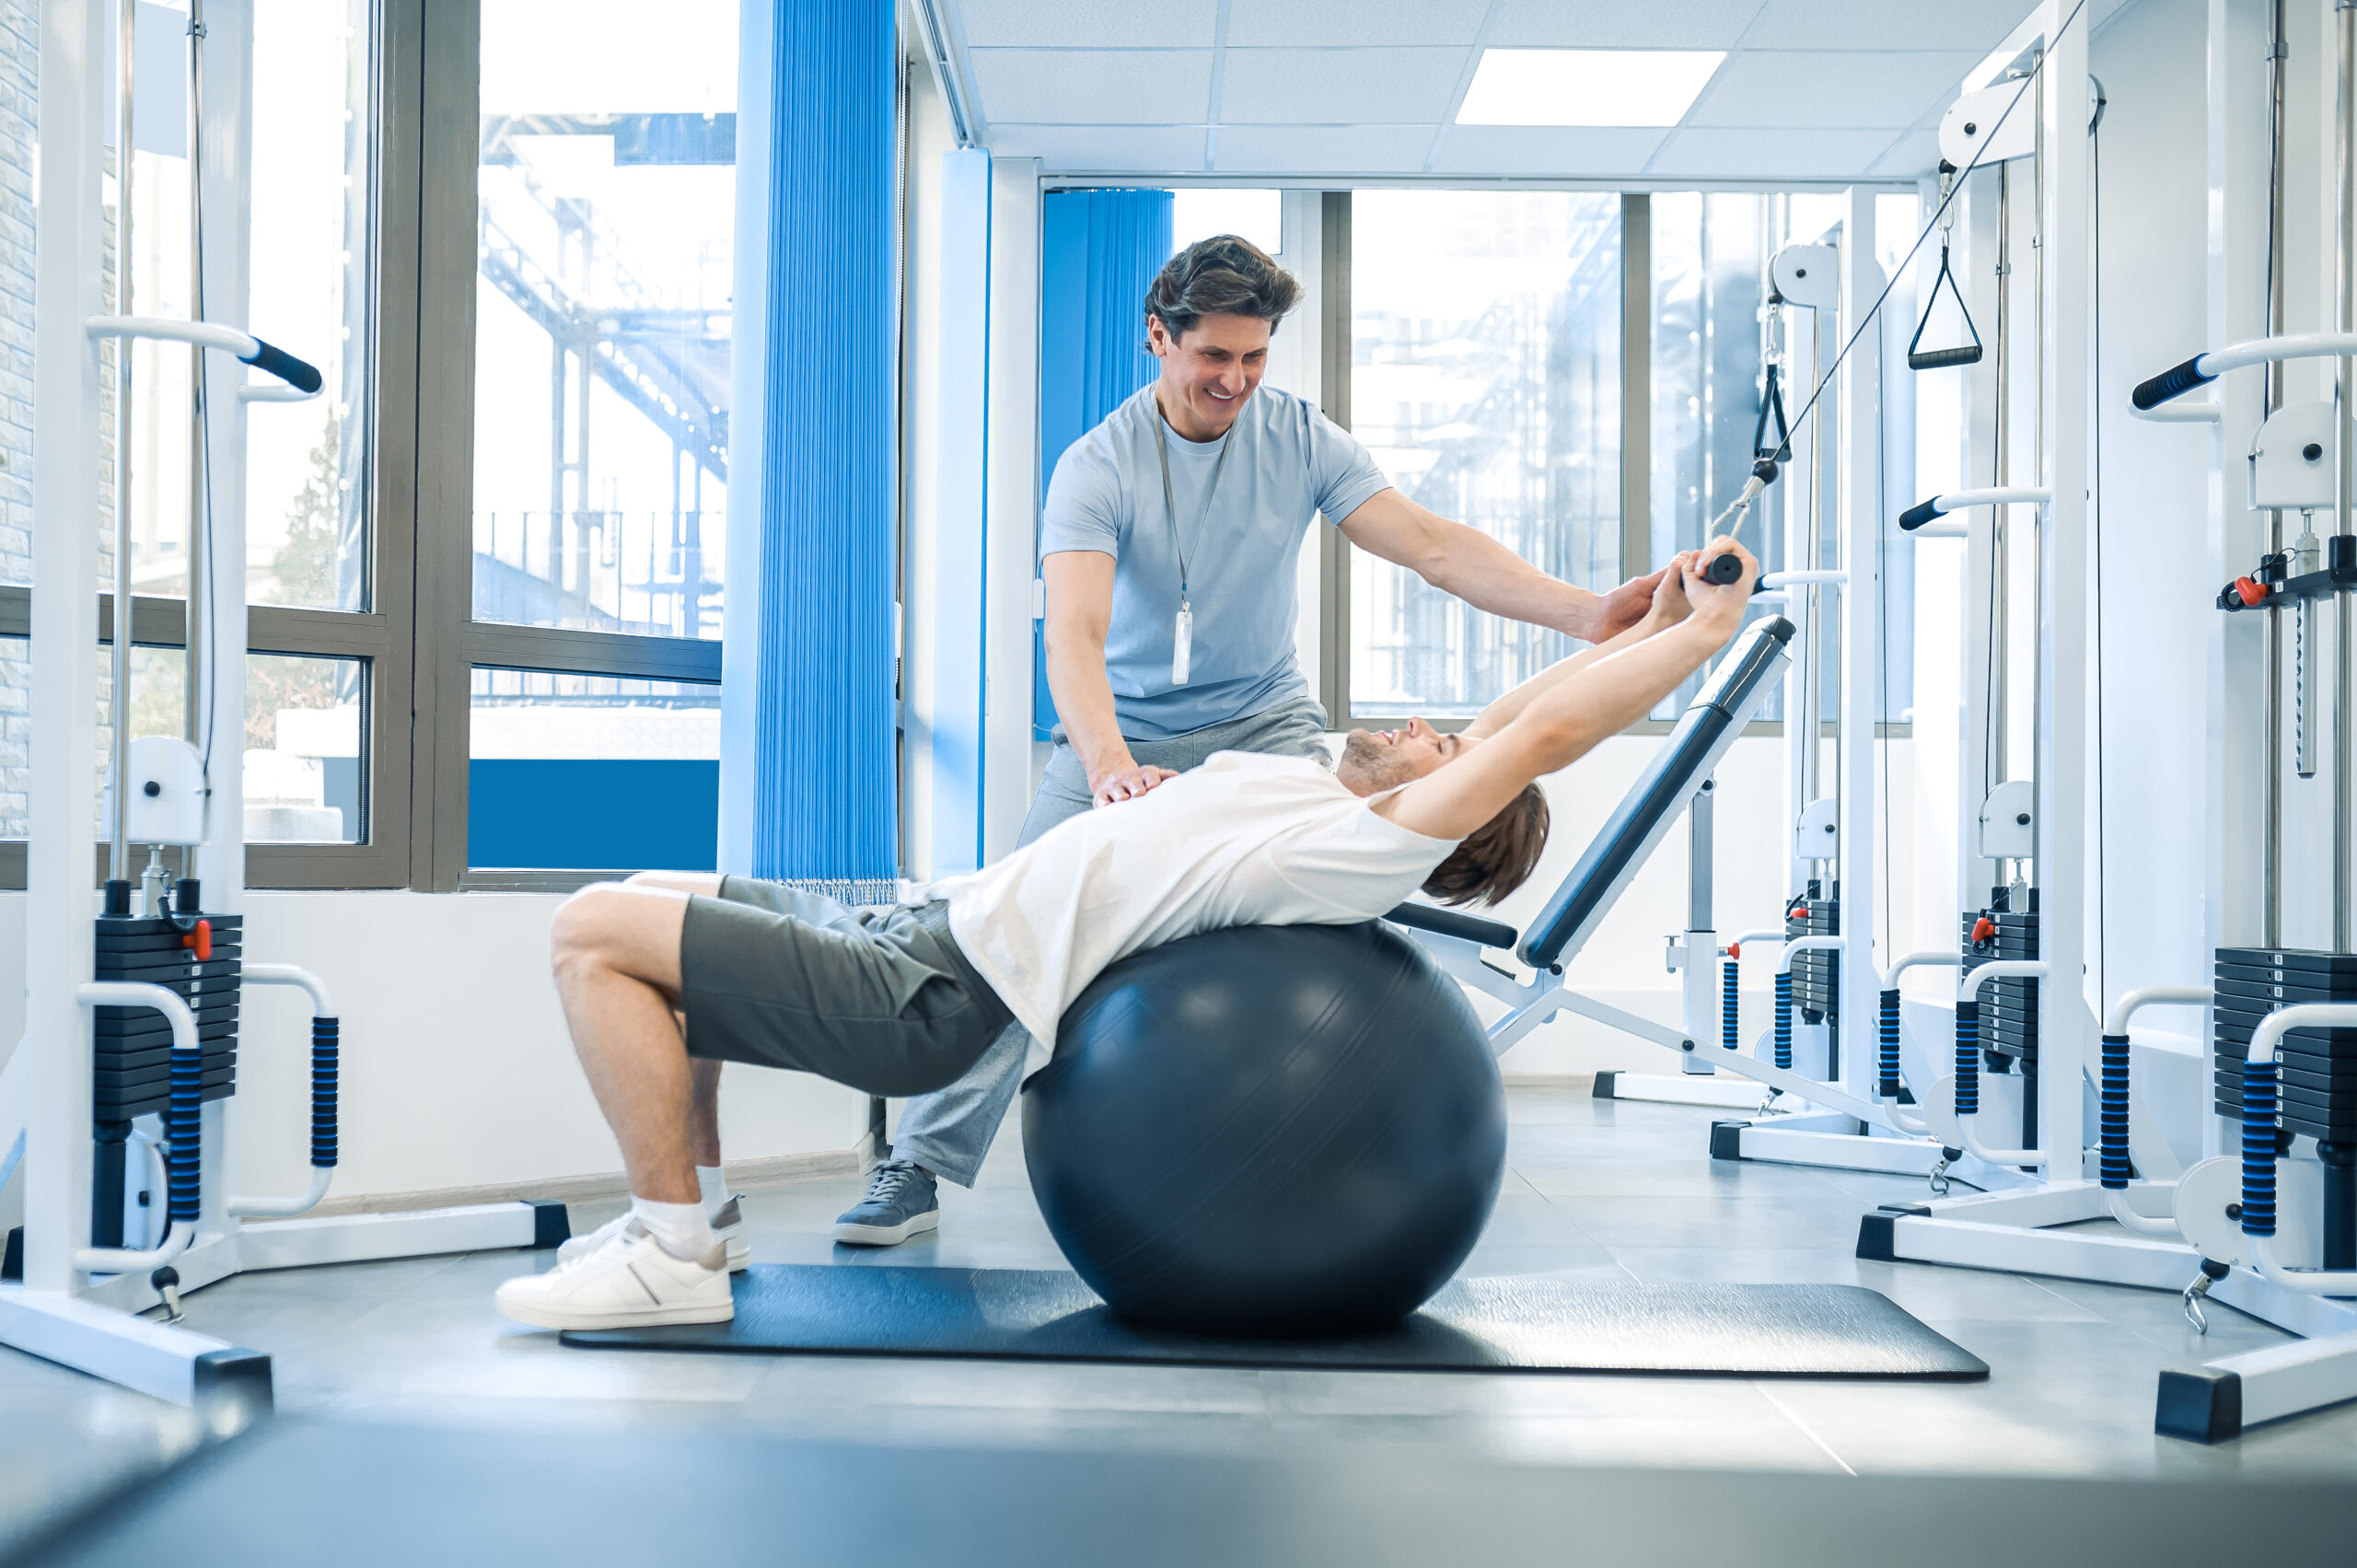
(1244, 840)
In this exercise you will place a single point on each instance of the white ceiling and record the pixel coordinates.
(1811, 89)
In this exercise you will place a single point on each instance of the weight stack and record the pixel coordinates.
(2316, 1069)
(2008, 1007)
(132, 1058)
(1817, 973)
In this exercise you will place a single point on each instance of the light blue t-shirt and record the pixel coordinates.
(1290, 464)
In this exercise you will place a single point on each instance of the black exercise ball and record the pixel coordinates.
(1268, 1130)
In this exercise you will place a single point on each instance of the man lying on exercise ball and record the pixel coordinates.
(665, 969)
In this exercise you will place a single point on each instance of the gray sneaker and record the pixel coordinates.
(900, 1203)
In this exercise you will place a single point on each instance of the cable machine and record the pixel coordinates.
(126, 1074)
(2272, 1237)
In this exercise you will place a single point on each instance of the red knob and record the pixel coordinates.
(200, 941)
(2253, 593)
(1735, 949)
(1983, 930)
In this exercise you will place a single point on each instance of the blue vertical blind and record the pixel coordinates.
(1099, 251)
(826, 808)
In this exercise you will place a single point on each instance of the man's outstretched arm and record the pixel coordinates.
(1568, 719)
(1667, 609)
(1476, 568)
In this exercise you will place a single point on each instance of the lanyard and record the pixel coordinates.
(1183, 632)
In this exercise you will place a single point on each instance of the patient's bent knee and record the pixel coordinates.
(585, 922)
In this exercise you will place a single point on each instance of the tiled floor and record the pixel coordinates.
(1596, 1189)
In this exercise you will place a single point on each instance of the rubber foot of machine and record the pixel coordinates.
(2200, 1404)
(1605, 1083)
(1726, 1140)
(12, 1260)
(232, 1388)
(551, 1225)
(1878, 1237)
(1878, 1232)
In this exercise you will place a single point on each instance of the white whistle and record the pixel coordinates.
(1183, 646)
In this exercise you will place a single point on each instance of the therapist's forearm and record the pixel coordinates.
(1487, 575)
(1084, 707)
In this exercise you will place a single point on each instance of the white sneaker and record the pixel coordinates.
(728, 1224)
(629, 1283)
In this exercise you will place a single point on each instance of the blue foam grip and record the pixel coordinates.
(1728, 1035)
(2258, 1148)
(1785, 1018)
(2174, 382)
(2113, 1111)
(298, 374)
(323, 1068)
(1922, 512)
(184, 1132)
(1967, 1059)
(1888, 1065)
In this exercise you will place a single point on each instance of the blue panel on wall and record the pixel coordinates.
(1098, 252)
(593, 814)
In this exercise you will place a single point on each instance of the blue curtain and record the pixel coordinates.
(826, 791)
(1099, 251)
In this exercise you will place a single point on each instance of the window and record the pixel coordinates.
(1501, 342)
(291, 258)
(1711, 257)
(582, 425)
(1485, 378)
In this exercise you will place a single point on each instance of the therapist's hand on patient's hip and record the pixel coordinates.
(1125, 781)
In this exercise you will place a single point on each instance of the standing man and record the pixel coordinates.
(1169, 549)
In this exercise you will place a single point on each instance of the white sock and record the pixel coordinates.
(713, 1183)
(680, 1229)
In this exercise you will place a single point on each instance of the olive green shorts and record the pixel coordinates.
(880, 999)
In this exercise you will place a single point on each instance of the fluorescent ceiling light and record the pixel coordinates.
(1586, 87)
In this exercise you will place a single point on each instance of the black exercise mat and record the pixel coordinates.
(1506, 1324)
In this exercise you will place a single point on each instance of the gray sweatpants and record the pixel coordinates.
(949, 1131)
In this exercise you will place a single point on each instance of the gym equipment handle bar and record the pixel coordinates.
(2261, 1149)
(302, 377)
(2204, 368)
(324, 1051)
(187, 1058)
(2114, 1161)
(1968, 1076)
(1922, 512)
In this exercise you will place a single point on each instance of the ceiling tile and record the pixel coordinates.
(1659, 24)
(1338, 87)
(1263, 24)
(1564, 152)
(1093, 87)
(1976, 24)
(1086, 24)
(1770, 153)
(1828, 90)
(1104, 149)
(1322, 149)
(1916, 152)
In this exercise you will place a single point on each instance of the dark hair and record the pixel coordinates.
(1224, 275)
(1495, 858)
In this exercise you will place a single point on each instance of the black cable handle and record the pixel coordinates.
(1921, 358)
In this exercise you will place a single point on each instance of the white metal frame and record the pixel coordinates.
(78, 1305)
